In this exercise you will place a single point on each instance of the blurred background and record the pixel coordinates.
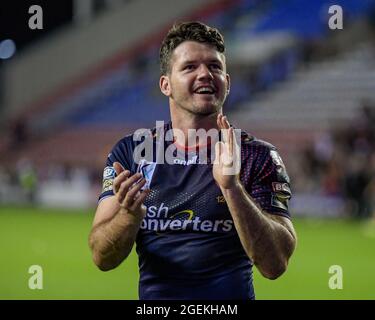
(72, 89)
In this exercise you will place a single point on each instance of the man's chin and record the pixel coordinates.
(206, 110)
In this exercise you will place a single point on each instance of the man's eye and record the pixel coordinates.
(215, 66)
(189, 67)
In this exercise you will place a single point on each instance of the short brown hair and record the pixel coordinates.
(185, 31)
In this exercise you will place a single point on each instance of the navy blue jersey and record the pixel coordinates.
(187, 244)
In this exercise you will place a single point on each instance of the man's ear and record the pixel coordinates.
(164, 85)
(228, 83)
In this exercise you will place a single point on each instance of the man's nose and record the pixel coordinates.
(204, 73)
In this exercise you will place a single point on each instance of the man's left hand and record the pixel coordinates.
(227, 163)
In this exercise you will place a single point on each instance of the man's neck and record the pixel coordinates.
(188, 126)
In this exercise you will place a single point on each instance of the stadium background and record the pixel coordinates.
(90, 76)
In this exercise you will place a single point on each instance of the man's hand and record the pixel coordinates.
(118, 219)
(227, 163)
(128, 192)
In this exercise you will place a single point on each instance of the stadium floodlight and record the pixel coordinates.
(7, 49)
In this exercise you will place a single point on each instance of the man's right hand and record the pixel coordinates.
(127, 189)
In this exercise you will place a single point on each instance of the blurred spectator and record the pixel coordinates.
(5, 179)
(28, 179)
(357, 179)
(360, 169)
(19, 132)
(341, 163)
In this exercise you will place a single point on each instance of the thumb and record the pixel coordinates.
(218, 151)
(118, 167)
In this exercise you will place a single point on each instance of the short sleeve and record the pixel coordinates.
(270, 186)
(119, 153)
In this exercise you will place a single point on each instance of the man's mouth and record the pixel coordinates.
(205, 90)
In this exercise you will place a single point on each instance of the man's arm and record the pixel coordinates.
(117, 220)
(269, 240)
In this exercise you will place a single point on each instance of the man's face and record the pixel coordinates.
(197, 82)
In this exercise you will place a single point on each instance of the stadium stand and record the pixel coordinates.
(279, 91)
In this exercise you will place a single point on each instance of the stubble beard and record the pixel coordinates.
(201, 109)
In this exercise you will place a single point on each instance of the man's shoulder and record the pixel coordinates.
(250, 141)
(139, 135)
(124, 143)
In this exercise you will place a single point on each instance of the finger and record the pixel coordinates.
(226, 122)
(218, 120)
(231, 141)
(118, 167)
(221, 121)
(141, 198)
(225, 135)
(226, 158)
(218, 150)
(222, 127)
(124, 187)
(236, 139)
(226, 126)
(120, 179)
(129, 198)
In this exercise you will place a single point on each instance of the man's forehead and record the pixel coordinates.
(192, 50)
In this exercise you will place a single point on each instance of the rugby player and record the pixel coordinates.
(198, 230)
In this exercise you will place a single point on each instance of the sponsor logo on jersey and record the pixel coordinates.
(276, 159)
(281, 187)
(109, 173)
(280, 167)
(280, 200)
(107, 185)
(159, 220)
(193, 160)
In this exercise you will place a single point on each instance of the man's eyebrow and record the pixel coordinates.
(215, 61)
(209, 61)
(189, 61)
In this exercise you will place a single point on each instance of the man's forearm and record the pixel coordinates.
(112, 241)
(267, 242)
